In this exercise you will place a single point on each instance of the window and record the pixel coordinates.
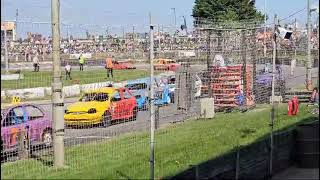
(14, 117)
(33, 113)
(101, 97)
(87, 97)
(116, 97)
(127, 95)
(136, 86)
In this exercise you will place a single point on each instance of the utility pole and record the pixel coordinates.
(318, 53)
(17, 14)
(175, 19)
(159, 39)
(6, 49)
(309, 65)
(133, 39)
(123, 35)
(295, 40)
(265, 29)
(272, 96)
(57, 96)
(152, 109)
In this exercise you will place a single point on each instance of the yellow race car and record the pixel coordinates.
(102, 106)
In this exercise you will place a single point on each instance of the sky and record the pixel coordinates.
(117, 16)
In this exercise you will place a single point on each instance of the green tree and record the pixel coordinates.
(226, 10)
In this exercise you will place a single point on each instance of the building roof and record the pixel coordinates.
(9, 26)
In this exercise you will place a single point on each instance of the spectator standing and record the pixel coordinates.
(68, 71)
(109, 67)
(36, 63)
(81, 62)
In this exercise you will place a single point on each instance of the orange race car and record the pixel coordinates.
(166, 65)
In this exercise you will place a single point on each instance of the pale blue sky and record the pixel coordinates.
(128, 13)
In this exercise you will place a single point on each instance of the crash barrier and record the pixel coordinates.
(96, 62)
(11, 76)
(30, 93)
(76, 56)
(74, 62)
(69, 91)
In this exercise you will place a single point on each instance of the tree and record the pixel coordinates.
(226, 10)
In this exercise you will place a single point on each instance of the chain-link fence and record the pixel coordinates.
(212, 90)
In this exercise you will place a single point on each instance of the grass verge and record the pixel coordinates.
(44, 78)
(177, 146)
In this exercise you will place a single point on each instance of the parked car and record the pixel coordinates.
(118, 65)
(25, 117)
(102, 106)
(166, 65)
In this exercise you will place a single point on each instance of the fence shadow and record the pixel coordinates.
(250, 161)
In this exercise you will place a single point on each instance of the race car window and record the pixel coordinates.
(33, 112)
(172, 80)
(101, 97)
(87, 97)
(14, 117)
(158, 95)
(116, 97)
(127, 95)
(137, 86)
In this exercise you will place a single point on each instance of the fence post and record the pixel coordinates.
(152, 109)
(57, 96)
(273, 86)
(23, 145)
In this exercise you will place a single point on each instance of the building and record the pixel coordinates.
(10, 27)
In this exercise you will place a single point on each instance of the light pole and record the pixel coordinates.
(17, 13)
(175, 19)
(309, 65)
(265, 29)
(272, 95)
(316, 9)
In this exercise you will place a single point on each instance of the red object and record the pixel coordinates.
(290, 108)
(124, 106)
(118, 65)
(295, 102)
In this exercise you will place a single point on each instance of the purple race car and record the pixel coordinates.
(31, 118)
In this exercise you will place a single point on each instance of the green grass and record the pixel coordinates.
(177, 146)
(44, 78)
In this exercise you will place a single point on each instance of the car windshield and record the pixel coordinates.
(158, 95)
(137, 86)
(94, 97)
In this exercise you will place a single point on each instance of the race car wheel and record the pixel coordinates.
(106, 119)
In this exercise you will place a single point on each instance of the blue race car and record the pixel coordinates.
(162, 96)
(140, 89)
